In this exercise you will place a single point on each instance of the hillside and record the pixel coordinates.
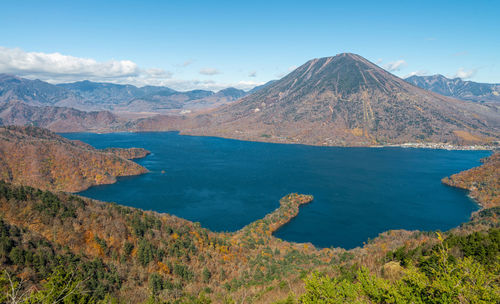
(36, 157)
(133, 250)
(94, 251)
(167, 102)
(57, 119)
(458, 88)
(483, 182)
(34, 92)
(347, 100)
(102, 94)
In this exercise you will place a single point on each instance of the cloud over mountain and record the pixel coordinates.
(395, 65)
(56, 67)
(464, 74)
(61, 68)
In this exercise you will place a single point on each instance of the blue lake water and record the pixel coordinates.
(226, 184)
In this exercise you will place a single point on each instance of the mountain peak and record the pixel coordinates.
(346, 99)
(343, 74)
(342, 57)
(458, 88)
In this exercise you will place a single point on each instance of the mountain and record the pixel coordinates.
(154, 99)
(182, 102)
(39, 158)
(347, 100)
(57, 119)
(100, 95)
(231, 93)
(35, 92)
(222, 97)
(483, 182)
(458, 88)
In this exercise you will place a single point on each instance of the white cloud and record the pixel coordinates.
(157, 73)
(58, 68)
(417, 73)
(184, 85)
(379, 61)
(464, 74)
(395, 65)
(209, 71)
(252, 74)
(246, 85)
(27, 63)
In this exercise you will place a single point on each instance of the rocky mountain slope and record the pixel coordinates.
(347, 100)
(57, 119)
(34, 92)
(109, 93)
(96, 96)
(39, 158)
(458, 88)
(167, 102)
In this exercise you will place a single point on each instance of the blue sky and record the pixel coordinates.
(195, 44)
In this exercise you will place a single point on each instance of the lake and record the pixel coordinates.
(226, 184)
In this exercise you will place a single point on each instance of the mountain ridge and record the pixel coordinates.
(57, 119)
(101, 96)
(348, 100)
(458, 88)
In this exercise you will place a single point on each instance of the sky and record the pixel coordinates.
(215, 44)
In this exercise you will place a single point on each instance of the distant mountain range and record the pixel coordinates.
(340, 100)
(95, 96)
(34, 92)
(458, 88)
(347, 100)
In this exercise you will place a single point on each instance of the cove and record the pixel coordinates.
(226, 184)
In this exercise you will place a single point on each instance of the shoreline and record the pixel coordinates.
(414, 145)
(440, 146)
(271, 222)
(271, 228)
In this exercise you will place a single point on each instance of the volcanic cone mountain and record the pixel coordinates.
(347, 100)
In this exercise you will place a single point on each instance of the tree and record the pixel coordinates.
(155, 283)
(61, 287)
(206, 275)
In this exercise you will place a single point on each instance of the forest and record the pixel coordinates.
(57, 247)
